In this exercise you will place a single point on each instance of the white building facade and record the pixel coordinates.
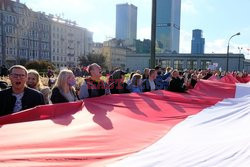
(68, 42)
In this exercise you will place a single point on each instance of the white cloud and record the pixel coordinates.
(144, 33)
(102, 31)
(185, 41)
(220, 46)
(216, 46)
(188, 7)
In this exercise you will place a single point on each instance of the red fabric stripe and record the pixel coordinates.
(217, 89)
(99, 130)
(243, 80)
(229, 79)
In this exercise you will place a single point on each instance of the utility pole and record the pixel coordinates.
(153, 34)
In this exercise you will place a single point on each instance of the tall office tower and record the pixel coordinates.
(126, 22)
(198, 42)
(168, 14)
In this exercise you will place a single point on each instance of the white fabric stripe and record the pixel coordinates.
(216, 137)
(242, 90)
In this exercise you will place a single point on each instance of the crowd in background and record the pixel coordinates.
(26, 89)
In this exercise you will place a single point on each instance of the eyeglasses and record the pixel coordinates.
(22, 76)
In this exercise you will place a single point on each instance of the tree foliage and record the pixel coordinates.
(40, 66)
(93, 58)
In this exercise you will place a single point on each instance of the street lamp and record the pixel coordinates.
(240, 48)
(228, 48)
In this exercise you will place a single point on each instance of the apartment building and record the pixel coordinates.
(68, 42)
(24, 34)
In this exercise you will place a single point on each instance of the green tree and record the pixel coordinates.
(93, 58)
(40, 66)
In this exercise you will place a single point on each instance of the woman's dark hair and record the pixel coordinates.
(131, 75)
(118, 74)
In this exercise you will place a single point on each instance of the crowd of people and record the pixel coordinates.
(27, 91)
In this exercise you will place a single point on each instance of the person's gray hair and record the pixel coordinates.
(18, 67)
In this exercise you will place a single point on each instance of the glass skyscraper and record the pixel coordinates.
(198, 42)
(126, 22)
(168, 13)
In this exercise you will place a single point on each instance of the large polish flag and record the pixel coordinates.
(208, 126)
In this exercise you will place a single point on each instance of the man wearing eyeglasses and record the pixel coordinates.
(18, 97)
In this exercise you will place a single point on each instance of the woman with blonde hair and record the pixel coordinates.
(63, 90)
(34, 81)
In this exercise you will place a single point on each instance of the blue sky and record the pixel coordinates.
(219, 19)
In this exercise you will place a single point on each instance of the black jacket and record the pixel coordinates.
(208, 76)
(57, 97)
(146, 86)
(176, 85)
(31, 98)
(121, 88)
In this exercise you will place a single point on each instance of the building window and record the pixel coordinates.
(192, 64)
(10, 51)
(23, 22)
(178, 64)
(35, 44)
(166, 63)
(205, 64)
(14, 51)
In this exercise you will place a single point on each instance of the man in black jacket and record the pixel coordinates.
(149, 84)
(176, 84)
(18, 97)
